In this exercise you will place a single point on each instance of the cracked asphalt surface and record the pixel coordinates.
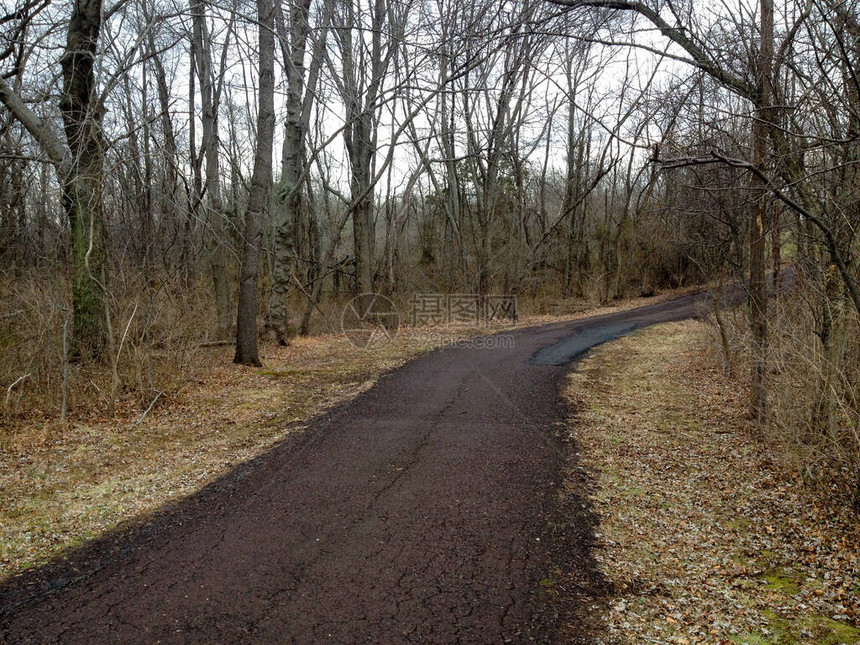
(426, 510)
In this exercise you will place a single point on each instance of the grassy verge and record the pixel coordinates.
(63, 484)
(703, 539)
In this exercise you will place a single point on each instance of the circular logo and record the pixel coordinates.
(370, 320)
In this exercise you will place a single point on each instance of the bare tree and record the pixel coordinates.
(364, 64)
(79, 164)
(201, 51)
(261, 185)
(291, 198)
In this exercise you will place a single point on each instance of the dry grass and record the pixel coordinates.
(63, 484)
(704, 538)
(813, 401)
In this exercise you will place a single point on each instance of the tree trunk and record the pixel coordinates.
(170, 198)
(776, 247)
(194, 193)
(80, 167)
(833, 328)
(362, 76)
(572, 186)
(363, 237)
(81, 181)
(757, 282)
(289, 208)
(215, 238)
(261, 183)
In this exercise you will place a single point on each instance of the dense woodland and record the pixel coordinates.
(177, 175)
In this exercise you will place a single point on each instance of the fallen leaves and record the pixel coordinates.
(703, 538)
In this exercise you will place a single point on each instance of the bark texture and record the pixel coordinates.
(81, 180)
(261, 184)
(290, 197)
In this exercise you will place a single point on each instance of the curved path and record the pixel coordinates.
(426, 510)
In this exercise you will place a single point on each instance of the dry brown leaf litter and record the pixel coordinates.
(703, 539)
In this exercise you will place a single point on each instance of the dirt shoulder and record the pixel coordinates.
(703, 539)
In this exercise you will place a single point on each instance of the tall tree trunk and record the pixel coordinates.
(147, 217)
(43, 214)
(170, 198)
(572, 185)
(757, 282)
(363, 234)
(832, 335)
(194, 193)
(215, 238)
(288, 211)
(362, 76)
(80, 168)
(776, 246)
(289, 208)
(82, 180)
(452, 179)
(261, 184)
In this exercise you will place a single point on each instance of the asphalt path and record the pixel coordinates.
(426, 510)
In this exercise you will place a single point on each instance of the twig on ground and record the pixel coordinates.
(145, 412)
(11, 387)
